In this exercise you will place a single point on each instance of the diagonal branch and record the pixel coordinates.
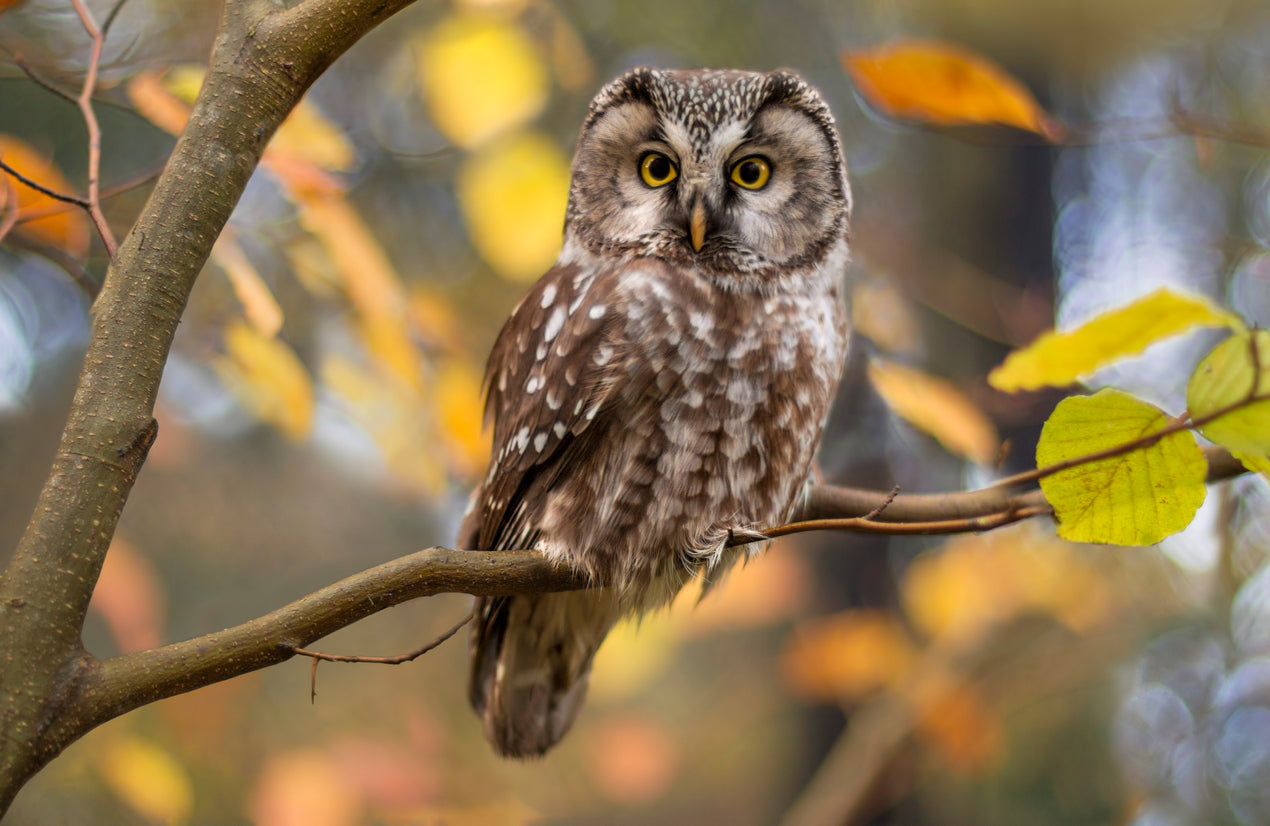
(264, 58)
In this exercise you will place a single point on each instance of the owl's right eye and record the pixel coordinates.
(657, 170)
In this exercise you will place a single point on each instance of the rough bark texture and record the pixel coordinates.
(263, 60)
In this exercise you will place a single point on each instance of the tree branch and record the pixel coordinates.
(263, 59)
(114, 686)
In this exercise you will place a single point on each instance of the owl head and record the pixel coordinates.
(733, 172)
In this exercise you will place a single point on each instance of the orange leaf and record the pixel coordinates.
(848, 656)
(156, 104)
(60, 225)
(259, 305)
(760, 591)
(305, 786)
(964, 730)
(973, 583)
(460, 412)
(269, 378)
(937, 407)
(945, 84)
(632, 759)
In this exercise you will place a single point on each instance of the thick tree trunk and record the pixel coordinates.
(263, 60)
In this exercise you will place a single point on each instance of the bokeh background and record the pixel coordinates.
(321, 414)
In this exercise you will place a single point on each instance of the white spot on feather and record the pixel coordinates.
(540, 441)
(554, 323)
(548, 296)
(596, 312)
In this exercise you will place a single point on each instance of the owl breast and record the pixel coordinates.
(723, 398)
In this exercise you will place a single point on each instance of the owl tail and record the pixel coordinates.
(531, 659)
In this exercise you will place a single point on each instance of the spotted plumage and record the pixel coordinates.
(667, 382)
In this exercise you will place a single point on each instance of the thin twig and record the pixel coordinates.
(44, 83)
(85, 102)
(110, 17)
(41, 188)
(861, 524)
(1177, 425)
(106, 194)
(886, 503)
(398, 660)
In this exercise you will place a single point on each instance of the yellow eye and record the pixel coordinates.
(657, 170)
(752, 172)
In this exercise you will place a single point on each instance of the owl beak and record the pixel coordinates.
(697, 225)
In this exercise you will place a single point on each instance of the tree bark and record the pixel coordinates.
(263, 59)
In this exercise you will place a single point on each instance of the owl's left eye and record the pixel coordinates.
(657, 170)
(752, 172)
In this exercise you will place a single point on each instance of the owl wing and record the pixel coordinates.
(558, 361)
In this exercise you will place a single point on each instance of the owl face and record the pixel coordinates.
(732, 172)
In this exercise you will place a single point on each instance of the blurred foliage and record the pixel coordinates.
(321, 412)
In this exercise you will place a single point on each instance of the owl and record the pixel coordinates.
(666, 383)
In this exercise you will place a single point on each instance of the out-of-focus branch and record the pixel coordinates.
(85, 103)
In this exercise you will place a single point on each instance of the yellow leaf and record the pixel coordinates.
(307, 135)
(370, 280)
(944, 83)
(1236, 371)
(1058, 359)
(635, 653)
(938, 408)
(259, 305)
(184, 81)
(148, 779)
(481, 75)
(41, 218)
(970, 584)
(1136, 498)
(268, 378)
(848, 656)
(396, 416)
(513, 194)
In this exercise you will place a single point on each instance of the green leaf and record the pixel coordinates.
(1058, 359)
(1236, 372)
(1136, 498)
